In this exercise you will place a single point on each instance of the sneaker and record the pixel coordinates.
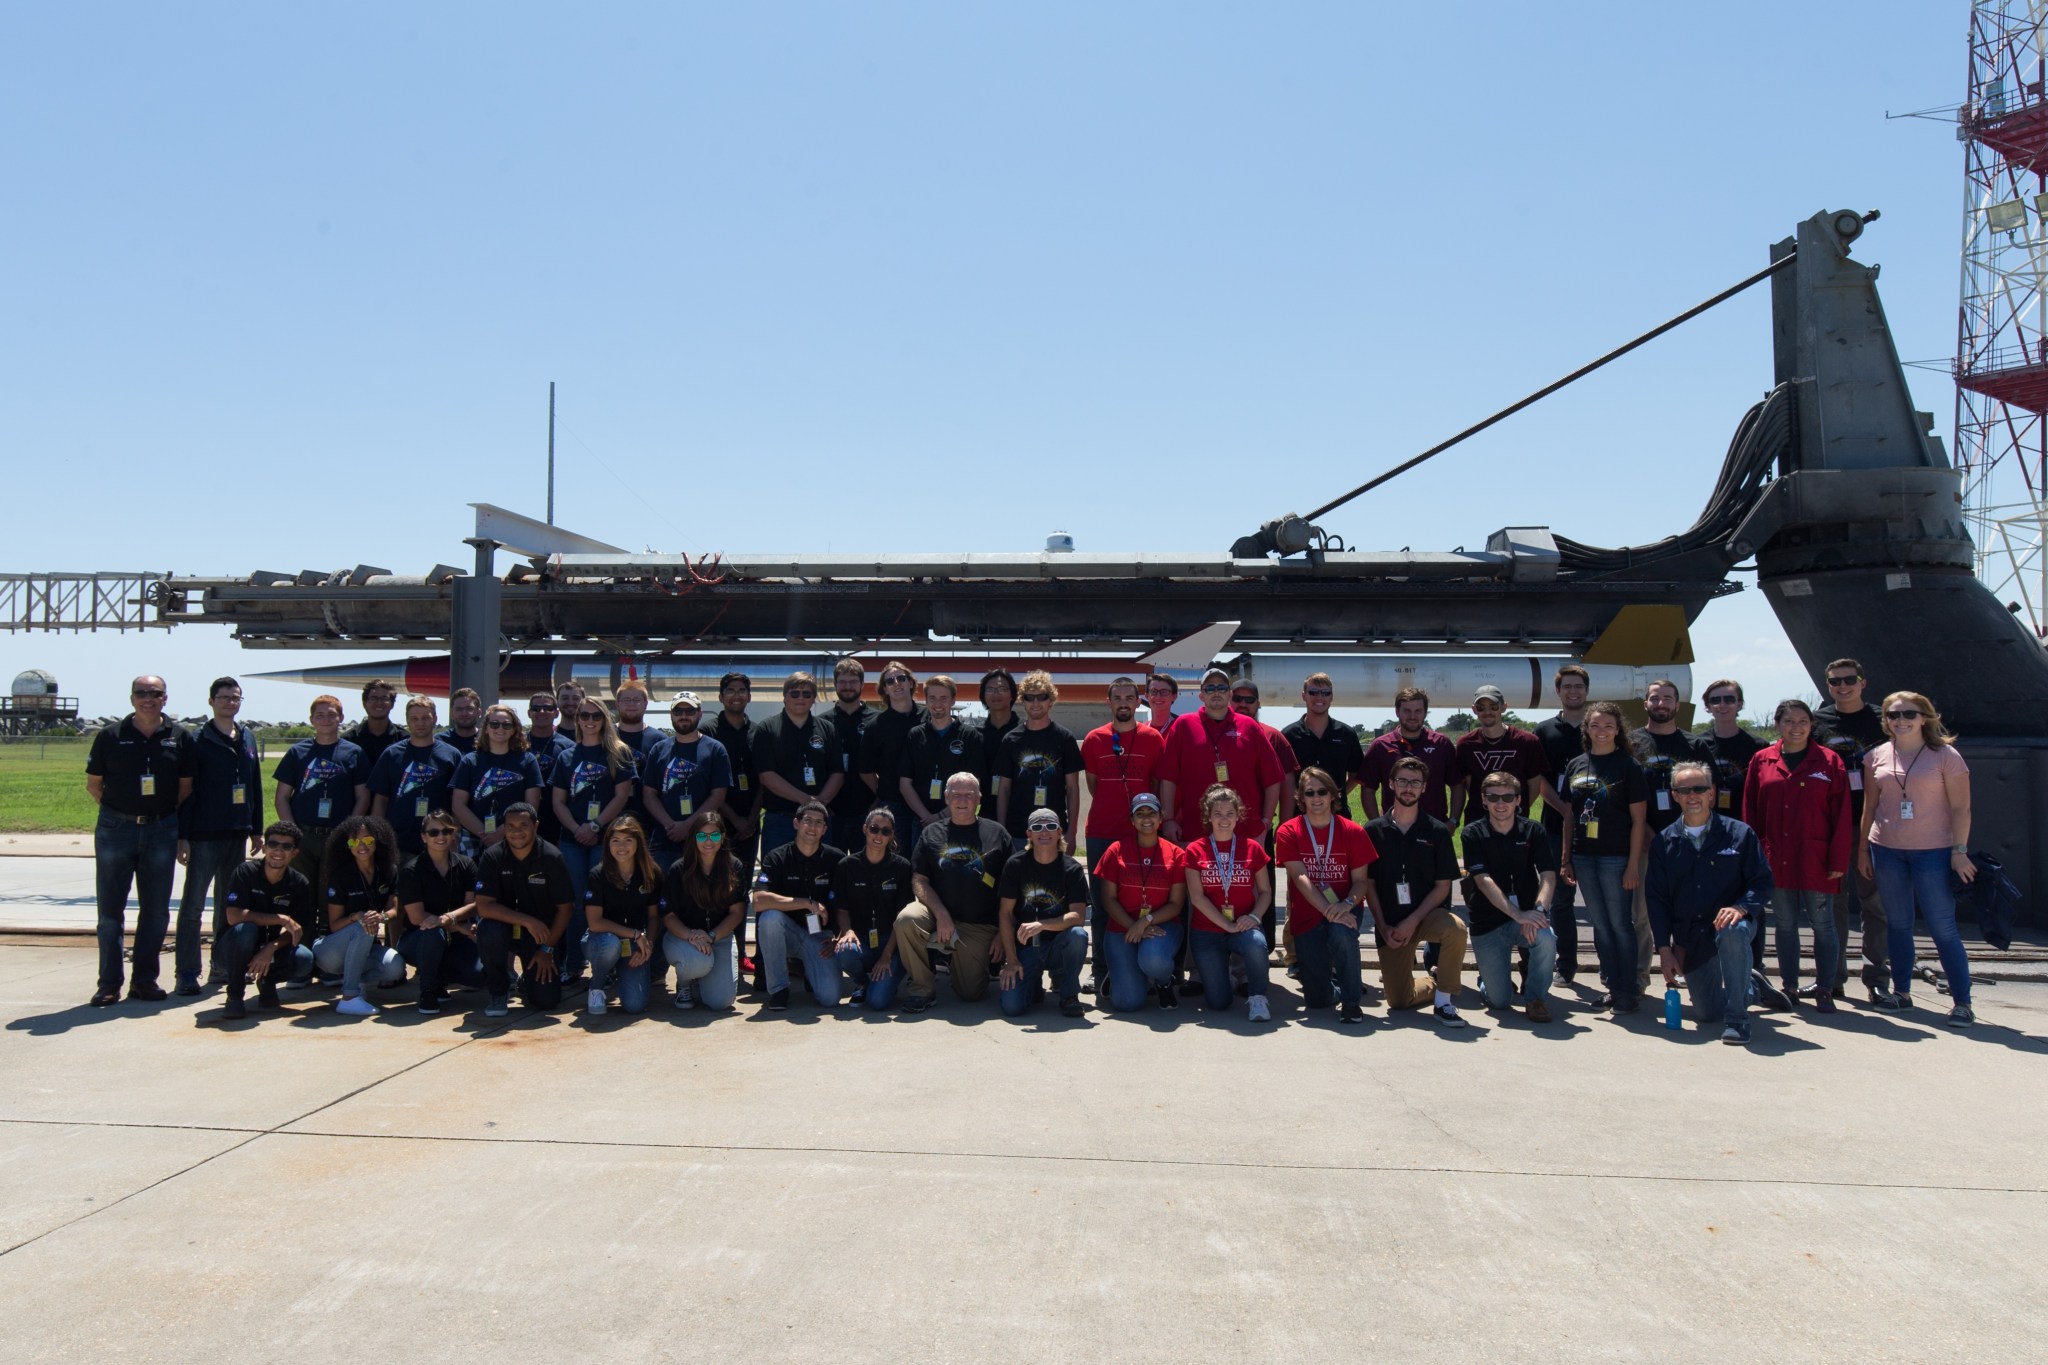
(1962, 1016)
(1448, 1016)
(1351, 1014)
(430, 1004)
(1890, 1001)
(859, 997)
(188, 986)
(916, 1004)
(1071, 1006)
(1293, 972)
(1539, 1011)
(151, 992)
(1604, 1000)
(778, 1001)
(1736, 1035)
(686, 996)
(1256, 1010)
(234, 1009)
(496, 1008)
(1167, 999)
(1088, 984)
(594, 1001)
(1625, 1004)
(355, 1004)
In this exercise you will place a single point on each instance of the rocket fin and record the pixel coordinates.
(1194, 651)
(1644, 634)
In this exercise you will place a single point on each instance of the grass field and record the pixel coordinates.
(42, 786)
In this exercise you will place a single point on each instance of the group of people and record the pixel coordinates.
(583, 848)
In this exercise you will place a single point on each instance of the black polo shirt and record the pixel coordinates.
(871, 893)
(464, 744)
(139, 773)
(847, 729)
(882, 744)
(789, 871)
(1414, 861)
(1515, 860)
(931, 756)
(694, 903)
(348, 888)
(1337, 751)
(249, 890)
(739, 749)
(1562, 742)
(801, 755)
(227, 786)
(963, 862)
(420, 883)
(637, 904)
(373, 746)
(536, 885)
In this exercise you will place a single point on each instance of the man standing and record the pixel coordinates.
(956, 869)
(139, 773)
(1213, 745)
(1852, 729)
(465, 720)
(938, 746)
(523, 899)
(320, 783)
(1411, 737)
(998, 696)
(739, 736)
(797, 755)
(1727, 747)
(684, 778)
(1494, 746)
(849, 717)
(1562, 742)
(1244, 700)
(412, 779)
(1320, 740)
(375, 733)
(546, 742)
(631, 722)
(793, 910)
(1121, 760)
(1708, 882)
(882, 746)
(218, 826)
(1038, 765)
(1411, 882)
(1162, 693)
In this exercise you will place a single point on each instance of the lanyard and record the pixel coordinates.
(1226, 867)
(1906, 776)
(1316, 850)
(1145, 879)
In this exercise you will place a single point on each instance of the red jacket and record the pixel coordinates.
(1802, 816)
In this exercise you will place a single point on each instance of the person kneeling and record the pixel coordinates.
(1707, 881)
(623, 908)
(1513, 873)
(792, 900)
(1142, 897)
(523, 901)
(268, 905)
(1044, 903)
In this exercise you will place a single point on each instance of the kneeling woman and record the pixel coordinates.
(361, 892)
(1044, 903)
(1142, 898)
(706, 907)
(869, 887)
(1229, 886)
(623, 909)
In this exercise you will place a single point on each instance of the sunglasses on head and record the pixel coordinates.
(1903, 713)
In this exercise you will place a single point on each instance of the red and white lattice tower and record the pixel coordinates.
(2001, 365)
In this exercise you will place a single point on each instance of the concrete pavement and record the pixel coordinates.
(957, 1186)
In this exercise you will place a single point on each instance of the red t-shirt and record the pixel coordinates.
(1122, 765)
(1246, 856)
(1196, 747)
(1432, 748)
(1143, 877)
(1517, 752)
(1329, 859)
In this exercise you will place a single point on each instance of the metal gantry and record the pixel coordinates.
(82, 601)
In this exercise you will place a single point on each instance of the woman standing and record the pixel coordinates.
(1916, 831)
(706, 906)
(1606, 833)
(1229, 887)
(593, 783)
(1143, 888)
(361, 892)
(623, 909)
(496, 775)
(1796, 797)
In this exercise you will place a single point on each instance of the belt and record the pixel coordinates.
(122, 817)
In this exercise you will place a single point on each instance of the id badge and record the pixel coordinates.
(685, 806)
(1905, 810)
(149, 784)
(1223, 772)
(490, 821)
(874, 939)
(239, 795)
(1855, 779)
(936, 793)
(1664, 799)
(1723, 799)
(1592, 829)
(812, 924)
(810, 776)
(1404, 895)
(1514, 902)
(1038, 796)
(745, 782)
(590, 812)
(419, 809)
(988, 879)
(325, 810)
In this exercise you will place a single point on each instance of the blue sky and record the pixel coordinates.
(289, 284)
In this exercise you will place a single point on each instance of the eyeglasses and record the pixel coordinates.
(1316, 794)
(1905, 713)
(1315, 692)
(1690, 791)
(1043, 826)
(1724, 700)
(443, 832)
(157, 692)
(363, 841)
(286, 844)
(1408, 784)
(1848, 681)
(1500, 798)
(1037, 696)
(812, 822)
(500, 723)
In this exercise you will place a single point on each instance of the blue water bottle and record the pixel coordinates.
(1674, 1013)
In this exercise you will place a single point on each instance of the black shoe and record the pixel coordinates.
(150, 991)
(1839, 993)
(103, 997)
(916, 1004)
(1070, 1005)
(1167, 999)
(1769, 996)
(1350, 1014)
(778, 1001)
(1603, 1000)
(266, 995)
(1890, 1001)
(1190, 988)
(234, 1009)
(1627, 1004)
(188, 987)
(430, 1004)
(858, 998)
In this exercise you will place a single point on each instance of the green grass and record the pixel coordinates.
(42, 787)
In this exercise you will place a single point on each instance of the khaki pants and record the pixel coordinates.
(1397, 965)
(914, 926)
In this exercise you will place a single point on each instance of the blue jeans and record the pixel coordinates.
(604, 953)
(1134, 969)
(711, 973)
(582, 863)
(207, 868)
(237, 947)
(1327, 957)
(1907, 879)
(1495, 952)
(358, 958)
(1819, 908)
(1720, 989)
(144, 856)
(1059, 952)
(783, 936)
(854, 966)
(1611, 912)
(440, 957)
(1212, 954)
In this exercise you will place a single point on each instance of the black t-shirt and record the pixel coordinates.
(871, 893)
(536, 885)
(255, 893)
(992, 737)
(848, 727)
(1338, 751)
(1411, 861)
(789, 871)
(419, 883)
(1658, 755)
(1730, 758)
(962, 862)
(585, 773)
(1601, 788)
(637, 904)
(801, 755)
(882, 745)
(931, 756)
(1043, 890)
(373, 746)
(1033, 765)
(693, 903)
(1851, 734)
(348, 888)
(639, 743)
(1562, 742)
(139, 776)
(739, 749)
(1515, 860)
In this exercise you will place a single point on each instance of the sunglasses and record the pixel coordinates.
(500, 724)
(1846, 681)
(1690, 791)
(1315, 692)
(708, 836)
(442, 833)
(1043, 827)
(590, 715)
(1237, 700)
(1215, 687)
(1314, 793)
(544, 706)
(1037, 696)
(802, 692)
(1723, 701)
(363, 841)
(1902, 715)
(285, 844)
(881, 829)
(895, 682)
(1500, 798)
(157, 692)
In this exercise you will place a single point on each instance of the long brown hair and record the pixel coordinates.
(643, 861)
(721, 885)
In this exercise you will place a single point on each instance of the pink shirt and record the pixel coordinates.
(1933, 780)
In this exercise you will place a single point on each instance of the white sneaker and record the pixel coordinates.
(356, 1004)
(596, 1000)
(1256, 1010)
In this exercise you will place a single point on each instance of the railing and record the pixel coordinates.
(80, 601)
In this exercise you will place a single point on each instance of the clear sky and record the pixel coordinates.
(287, 284)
